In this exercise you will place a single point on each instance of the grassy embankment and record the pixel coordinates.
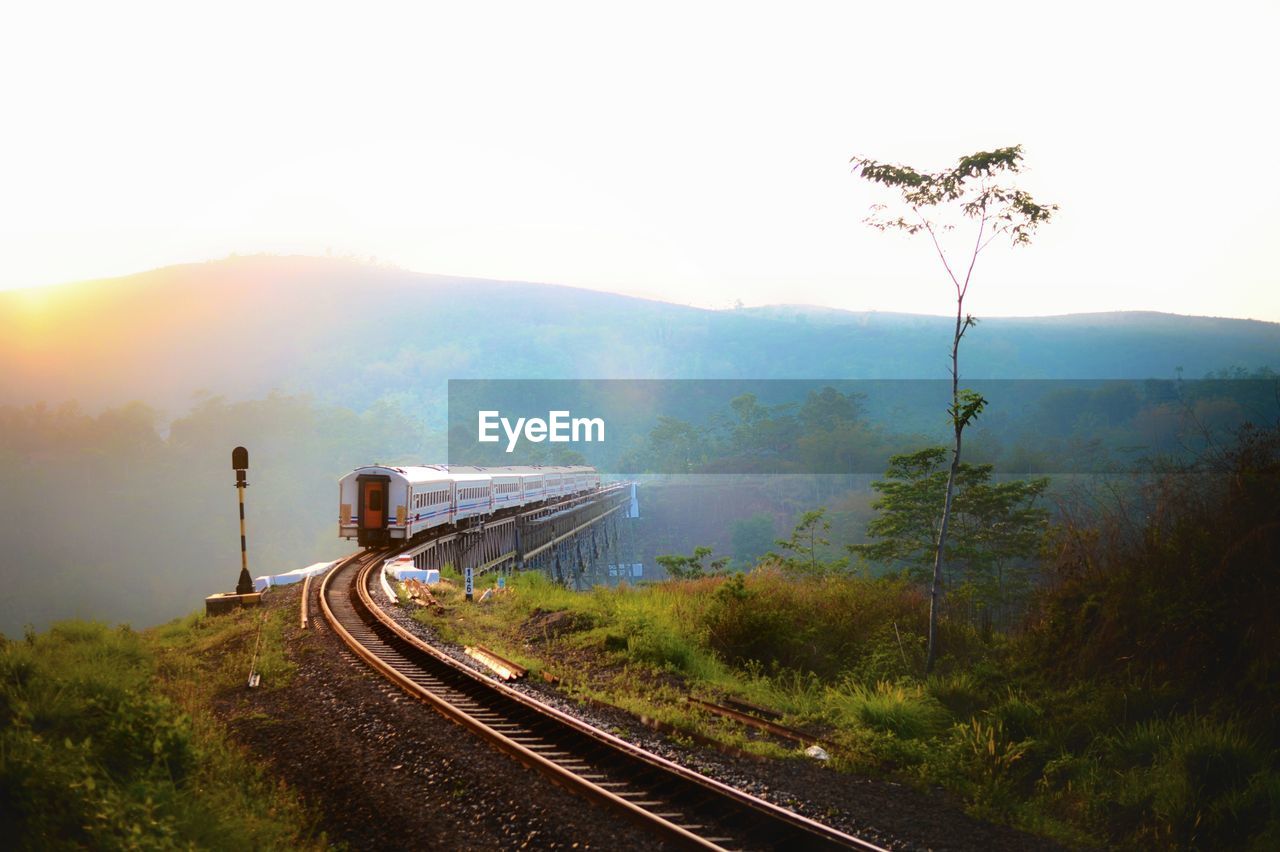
(1134, 709)
(108, 738)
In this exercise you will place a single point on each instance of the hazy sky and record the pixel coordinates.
(696, 153)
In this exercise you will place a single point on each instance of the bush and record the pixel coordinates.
(828, 626)
(985, 756)
(1175, 584)
(907, 712)
(93, 755)
(960, 693)
(1184, 783)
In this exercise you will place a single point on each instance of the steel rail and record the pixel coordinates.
(770, 727)
(451, 711)
(587, 760)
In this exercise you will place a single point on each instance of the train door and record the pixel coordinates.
(372, 510)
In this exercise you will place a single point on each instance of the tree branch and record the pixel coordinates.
(977, 247)
(941, 254)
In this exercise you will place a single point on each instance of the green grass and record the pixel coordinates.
(1083, 763)
(95, 751)
(905, 711)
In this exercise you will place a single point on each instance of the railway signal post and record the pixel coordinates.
(244, 595)
(240, 464)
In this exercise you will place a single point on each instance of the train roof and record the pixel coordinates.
(526, 468)
(410, 473)
(463, 473)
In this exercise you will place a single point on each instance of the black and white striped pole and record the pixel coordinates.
(240, 463)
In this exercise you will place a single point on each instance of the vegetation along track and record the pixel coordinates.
(679, 805)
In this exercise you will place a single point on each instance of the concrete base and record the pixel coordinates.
(225, 602)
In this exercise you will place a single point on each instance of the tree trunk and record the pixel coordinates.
(936, 588)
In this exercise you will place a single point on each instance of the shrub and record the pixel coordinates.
(1019, 716)
(1184, 783)
(823, 625)
(92, 754)
(958, 692)
(1174, 584)
(907, 712)
(984, 755)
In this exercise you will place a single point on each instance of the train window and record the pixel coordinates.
(375, 501)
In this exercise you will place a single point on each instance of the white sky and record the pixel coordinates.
(696, 153)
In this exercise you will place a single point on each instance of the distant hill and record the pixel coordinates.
(353, 334)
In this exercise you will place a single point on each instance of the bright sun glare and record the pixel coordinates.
(697, 154)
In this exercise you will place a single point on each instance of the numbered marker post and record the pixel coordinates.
(469, 585)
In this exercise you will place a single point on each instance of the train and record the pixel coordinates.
(379, 505)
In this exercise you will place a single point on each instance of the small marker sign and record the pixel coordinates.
(469, 584)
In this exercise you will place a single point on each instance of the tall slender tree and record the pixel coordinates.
(975, 190)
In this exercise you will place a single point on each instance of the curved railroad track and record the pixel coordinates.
(679, 805)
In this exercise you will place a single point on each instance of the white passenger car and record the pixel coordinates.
(381, 504)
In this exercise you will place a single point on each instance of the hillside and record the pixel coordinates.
(352, 334)
(362, 355)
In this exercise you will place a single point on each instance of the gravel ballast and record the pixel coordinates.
(386, 772)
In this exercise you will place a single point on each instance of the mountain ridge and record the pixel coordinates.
(354, 334)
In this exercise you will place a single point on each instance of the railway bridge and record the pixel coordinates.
(570, 540)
